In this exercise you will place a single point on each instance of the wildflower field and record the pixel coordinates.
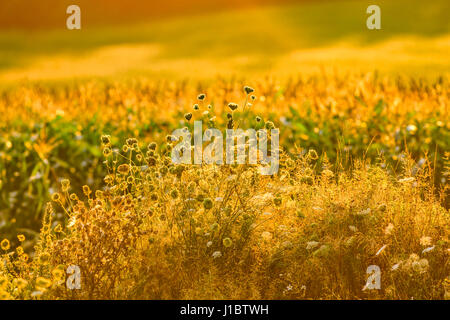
(88, 185)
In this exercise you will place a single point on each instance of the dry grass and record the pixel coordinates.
(164, 231)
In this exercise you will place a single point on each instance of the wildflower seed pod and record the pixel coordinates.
(163, 171)
(123, 169)
(269, 125)
(86, 190)
(56, 197)
(151, 161)
(277, 201)
(174, 193)
(4, 245)
(152, 146)
(170, 138)
(248, 89)
(106, 140)
(65, 183)
(154, 196)
(233, 106)
(207, 203)
(227, 242)
(131, 142)
(106, 152)
(312, 154)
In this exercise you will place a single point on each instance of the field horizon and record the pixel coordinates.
(304, 38)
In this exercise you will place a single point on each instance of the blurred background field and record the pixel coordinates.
(136, 67)
(199, 39)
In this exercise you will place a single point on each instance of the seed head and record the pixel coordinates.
(20, 283)
(174, 193)
(42, 282)
(123, 169)
(277, 201)
(65, 183)
(269, 125)
(74, 197)
(207, 203)
(44, 258)
(248, 90)
(154, 196)
(106, 152)
(170, 138)
(152, 146)
(227, 242)
(233, 106)
(86, 190)
(313, 154)
(106, 139)
(4, 244)
(131, 142)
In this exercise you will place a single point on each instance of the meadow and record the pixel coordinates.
(86, 177)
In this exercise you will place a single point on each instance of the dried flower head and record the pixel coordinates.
(248, 89)
(233, 106)
(4, 245)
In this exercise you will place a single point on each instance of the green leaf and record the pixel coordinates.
(379, 107)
